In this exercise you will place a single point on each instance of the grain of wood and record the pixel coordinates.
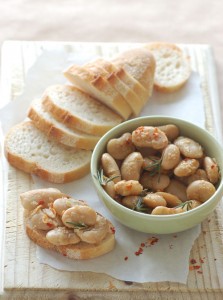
(25, 278)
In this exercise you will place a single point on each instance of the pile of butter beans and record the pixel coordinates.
(155, 170)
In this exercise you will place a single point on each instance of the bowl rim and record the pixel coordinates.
(102, 143)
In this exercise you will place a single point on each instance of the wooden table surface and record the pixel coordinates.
(24, 278)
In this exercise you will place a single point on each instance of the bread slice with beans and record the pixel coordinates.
(78, 251)
(96, 86)
(30, 150)
(172, 66)
(78, 110)
(58, 131)
(59, 228)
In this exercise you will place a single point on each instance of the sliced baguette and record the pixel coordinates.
(140, 64)
(59, 131)
(133, 84)
(108, 71)
(172, 66)
(40, 212)
(29, 150)
(78, 110)
(99, 88)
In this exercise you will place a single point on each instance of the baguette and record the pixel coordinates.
(54, 129)
(78, 110)
(29, 150)
(109, 72)
(45, 219)
(173, 67)
(99, 88)
(140, 64)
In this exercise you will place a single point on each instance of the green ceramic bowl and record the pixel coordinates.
(166, 223)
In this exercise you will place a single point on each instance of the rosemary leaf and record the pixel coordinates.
(186, 204)
(140, 207)
(78, 225)
(102, 179)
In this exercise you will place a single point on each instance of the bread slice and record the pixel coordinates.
(41, 216)
(108, 71)
(99, 88)
(29, 150)
(81, 250)
(128, 80)
(140, 64)
(172, 66)
(45, 122)
(78, 110)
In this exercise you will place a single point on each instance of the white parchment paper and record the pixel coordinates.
(164, 257)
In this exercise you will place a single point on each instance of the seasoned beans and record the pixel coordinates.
(158, 171)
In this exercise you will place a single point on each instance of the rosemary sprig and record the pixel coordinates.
(78, 225)
(140, 207)
(155, 167)
(186, 204)
(103, 180)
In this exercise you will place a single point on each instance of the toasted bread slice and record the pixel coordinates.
(43, 218)
(172, 66)
(44, 121)
(29, 150)
(81, 250)
(99, 88)
(108, 72)
(140, 64)
(78, 110)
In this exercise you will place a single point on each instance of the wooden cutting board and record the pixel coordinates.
(22, 277)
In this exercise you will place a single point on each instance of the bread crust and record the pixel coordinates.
(99, 88)
(140, 64)
(127, 79)
(20, 162)
(73, 139)
(108, 71)
(80, 251)
(74, 121)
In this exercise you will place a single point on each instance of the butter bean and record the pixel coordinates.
(110, 167)
(148, 136)
(186, 167)
(188, 147)
(171, 131)
(200, 174)
(158, 182)
(153, 200)
(121, 147)
(110, 189)
(130, 201)
(211, 169)
(200, 190)
(132, 166)
(170, 199)
(128, 187)
(178, 189)
(162, 210)
(170, 157)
